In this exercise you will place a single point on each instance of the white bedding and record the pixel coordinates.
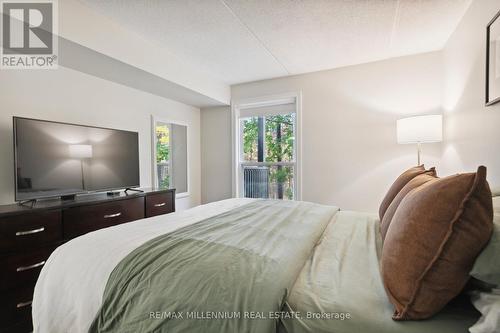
(77, 272)
(488, 303)
(341, 275)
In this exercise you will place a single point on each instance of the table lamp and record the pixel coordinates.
(81, 152)
(420, 129)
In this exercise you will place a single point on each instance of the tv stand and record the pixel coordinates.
(68, 197)
(133, 190)
(29, 234)
(31, 203)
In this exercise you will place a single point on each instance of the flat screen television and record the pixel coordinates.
(57, 159)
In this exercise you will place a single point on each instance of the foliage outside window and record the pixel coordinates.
(163, 154)
(278, 146)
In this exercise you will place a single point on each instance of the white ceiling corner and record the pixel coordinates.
(247, 40)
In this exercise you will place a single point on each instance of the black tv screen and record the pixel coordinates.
(58, 159)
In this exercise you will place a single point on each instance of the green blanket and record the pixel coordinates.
(228, 273)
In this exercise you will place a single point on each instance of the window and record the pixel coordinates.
(267, 150)
(170, 165)
(163, 171)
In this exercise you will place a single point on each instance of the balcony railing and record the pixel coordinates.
(256, 180)
(262, 182)
(163, 173)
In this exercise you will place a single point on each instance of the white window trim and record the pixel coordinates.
(269, 100)
(154, 120)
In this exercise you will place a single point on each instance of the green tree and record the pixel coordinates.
(162, 152)
(279, 138)
(250, 135)
(162, 143)
(280, 147)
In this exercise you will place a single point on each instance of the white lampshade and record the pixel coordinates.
(80, 151)
(420, 129)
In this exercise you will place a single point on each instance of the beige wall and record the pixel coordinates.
(70, 96)
(350, 155)
(472, 135)
(216, 154)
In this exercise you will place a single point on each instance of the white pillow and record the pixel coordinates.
(487, 265)
(488, 303)
(496, 205)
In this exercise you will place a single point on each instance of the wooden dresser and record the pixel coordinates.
(29, 234)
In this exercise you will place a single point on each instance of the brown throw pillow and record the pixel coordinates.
(400, 182)
(417, 181)
(435, 235)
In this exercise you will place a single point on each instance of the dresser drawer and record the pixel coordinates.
(22, 327)
(159, 204)
(15, 306)
(30, 230)
(80, 220)
(22, 269)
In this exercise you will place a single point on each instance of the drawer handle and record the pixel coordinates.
(112, 215)
(23, 304)
(160, 204)
(29, 232)
(25, 268)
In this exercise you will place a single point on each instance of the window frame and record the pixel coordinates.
(237, 137)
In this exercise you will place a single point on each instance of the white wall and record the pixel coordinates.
(70, 96)
(472, 135)
(216, 154)
(86, 26)
(350, 154)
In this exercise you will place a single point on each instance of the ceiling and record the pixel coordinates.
(247, 40)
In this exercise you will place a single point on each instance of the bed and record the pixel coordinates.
(238, 265)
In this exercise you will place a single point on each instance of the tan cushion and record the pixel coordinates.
(400, 182)
(417, 181)
(437, 232)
